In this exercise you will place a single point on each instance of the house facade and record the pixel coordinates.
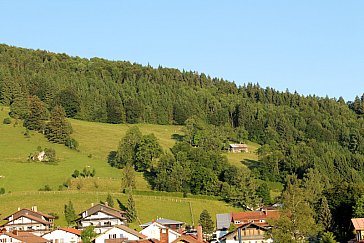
(160, 232)
(358, 224)
(102, 217)
(169, 223)
(21, 237)
(247, 233)
(119, 233)
(29, 220)
(257, 217)
(63, 235)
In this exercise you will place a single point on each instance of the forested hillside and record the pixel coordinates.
(321, 140)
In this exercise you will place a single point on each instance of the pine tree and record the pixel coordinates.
(69, 213)
(38, 114)
(324, 215)
(358, 209)
(128, 177)
(206, 222)
(110, 200)
(131, 212)
(58, 129)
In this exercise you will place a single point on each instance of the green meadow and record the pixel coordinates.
(22, 179)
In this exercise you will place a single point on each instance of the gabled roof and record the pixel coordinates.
(161, 227)
(150, 240)
(187, 239)
(358, 223)
(163, 221)
(244, 226)
(27, 211)
(105, 209)
(27, 237)
(29, 216)
(72, 231)
(131, 231)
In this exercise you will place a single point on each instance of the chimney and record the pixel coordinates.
(15, 232)
(164, 235)
(18, 209)
(92, 204)
(35, 208)
(106, 204)
(199, 233)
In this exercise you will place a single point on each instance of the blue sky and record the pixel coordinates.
(314, 47)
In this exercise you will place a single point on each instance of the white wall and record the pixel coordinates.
(62, 237)
(115, 233)
(8, 239)
(153, 231)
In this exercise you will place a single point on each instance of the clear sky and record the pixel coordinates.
(311, 46)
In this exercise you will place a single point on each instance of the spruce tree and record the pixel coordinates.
(324, 215)
(131, 212)
(206, 222)
(69, 213)
(110, 200)
(37, 115)
(58, 129)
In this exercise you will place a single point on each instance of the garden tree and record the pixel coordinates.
(147, 150)
(110, 200)
(206, 222)
(324, 215)
(358, 208)
(38, 114)
(127, 147)
(131, 212)
(69, 100)
(58, 129)
(328, 237)
(128, 177)
(296, 222)
(87, 234)
(69, 213)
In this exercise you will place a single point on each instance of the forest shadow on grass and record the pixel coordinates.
(251, 164)
(177, 137)
(149, 177)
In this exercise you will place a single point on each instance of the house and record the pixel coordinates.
(257, 217)
(160, 232)
(21, 237)
(191, 238)
(359, 229)
(29, 220)
(223, 222)
(102, 217)
(119, 233)
(247, 233)
(65, 235)
(171, 224)
(238, 148)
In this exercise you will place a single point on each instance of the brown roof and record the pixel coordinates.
(187, 239)
(105, 209)
(151, 240)
(131, 231)
(255, 215)
(27, 211)
(27, 237)
(71, 230)
(243, 227)
(358, 223)
(29, 216)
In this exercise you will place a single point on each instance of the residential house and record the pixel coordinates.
(160, 232)
(21, 237)
(238, 148)
(260, 217)
(247, 233)
(102, 217)
(29, 220)
(191, 238)
(359, 229)
(63, 235)
(119, 233)
(171, 224)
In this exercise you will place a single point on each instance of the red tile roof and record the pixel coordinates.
(244, 217)
(358, 223)
(187, 239)
(71, 230)
(27, 237)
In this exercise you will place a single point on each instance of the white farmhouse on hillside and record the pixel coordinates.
(156, 230)
(102, 217)
(119, 233)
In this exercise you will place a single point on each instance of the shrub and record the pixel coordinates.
(46, 188)
(72, 143)
(76, 174)
(2, 190)
(7, 120)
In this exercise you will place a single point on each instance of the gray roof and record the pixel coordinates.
(223, 221)
(163, 222)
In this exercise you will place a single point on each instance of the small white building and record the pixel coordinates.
(102, 217)
(119, 232)
(29, 220)
(155, 230)
(247, 233)
(63, 235)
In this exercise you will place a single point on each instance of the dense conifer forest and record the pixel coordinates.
(318, 139)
